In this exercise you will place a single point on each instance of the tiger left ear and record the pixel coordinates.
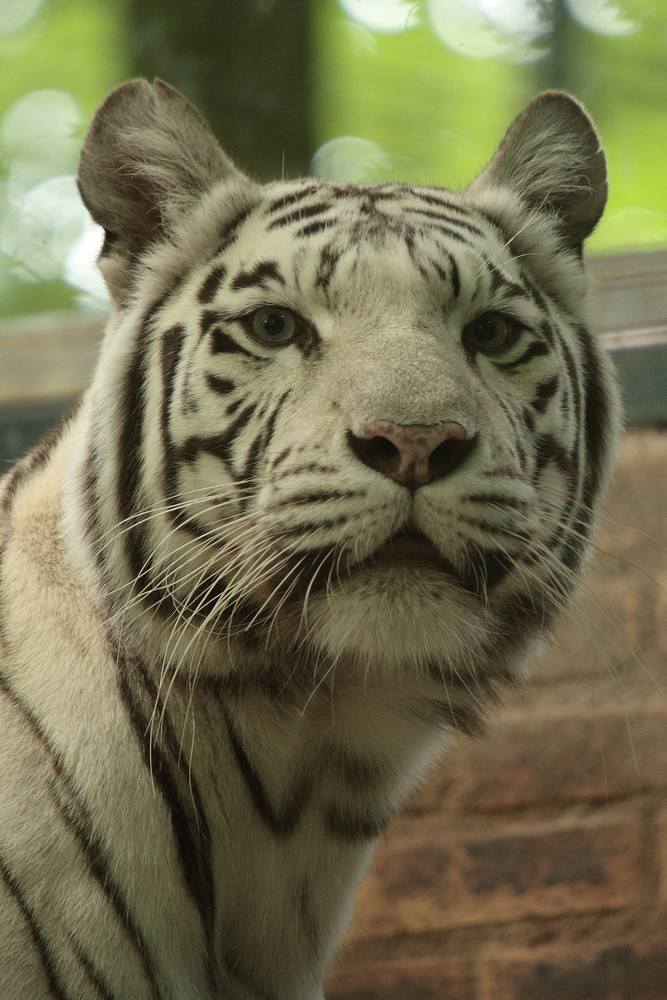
(552, 158)
(148, 158)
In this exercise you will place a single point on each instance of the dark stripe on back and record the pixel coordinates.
(77, 818)
(39, 939)
(93, 972)
(168, 769)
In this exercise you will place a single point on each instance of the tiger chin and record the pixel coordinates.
(333, 480)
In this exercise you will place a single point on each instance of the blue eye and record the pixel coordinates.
(489, 333)
(273, 325)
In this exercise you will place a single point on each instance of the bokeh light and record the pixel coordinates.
(601, 16)
(486, 29)
(44, 223)
(350, 159)
(382, 15)
(17, 14)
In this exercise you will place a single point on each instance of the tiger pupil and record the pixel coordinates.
(274, 324)
(490, 329)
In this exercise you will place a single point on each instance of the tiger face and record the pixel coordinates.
(383, 426)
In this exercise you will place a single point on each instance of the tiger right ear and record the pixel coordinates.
(551, 157)
(148, 157)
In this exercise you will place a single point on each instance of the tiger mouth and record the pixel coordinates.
(408, 549)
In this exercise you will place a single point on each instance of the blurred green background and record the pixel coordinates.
(356, 89)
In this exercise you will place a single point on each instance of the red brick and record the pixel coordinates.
(582, 756)
(410, 979)
(615, 971)
(425, 881)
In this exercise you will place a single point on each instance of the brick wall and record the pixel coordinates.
(534, 864)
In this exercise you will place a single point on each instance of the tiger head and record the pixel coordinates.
(342, 424)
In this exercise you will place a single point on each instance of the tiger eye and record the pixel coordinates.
(490, 333)
(272, 325)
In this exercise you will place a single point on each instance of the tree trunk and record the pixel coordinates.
(246, 64)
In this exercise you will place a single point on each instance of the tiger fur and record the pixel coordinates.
(334, 477)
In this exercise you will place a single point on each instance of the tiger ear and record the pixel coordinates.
(552, 158)
(148, 157)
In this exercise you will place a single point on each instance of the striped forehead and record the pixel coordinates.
(342, 232)
(367, 212)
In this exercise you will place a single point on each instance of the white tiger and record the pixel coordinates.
(334, 477)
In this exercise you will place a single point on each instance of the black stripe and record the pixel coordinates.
(294, 198)
(544, 393)
(285, 453)
(218, 445)
(441, 229)
(453, 276)
(529, 419)
(132, 408)
(317, 496)
(316, 227)
(56, 989)
(344, 824)
(78, 820)
(497, 499)
(283, 821)
(221, 343)
(94, 973)
(271, 423)
(172, 345)
(210, 287)
(299, 214)
(229, 232)
(327, 265)
(548, 449)
(257, 449)
(266, 270)
(223, 386)
(448, 220)
(596, 417)
(431, 197)
(306, 527)
(165, 764)
(536, 349)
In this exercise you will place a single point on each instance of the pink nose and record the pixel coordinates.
(413, 455)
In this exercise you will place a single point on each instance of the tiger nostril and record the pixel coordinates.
(448, 455)
(376, 452)
(413, 455)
